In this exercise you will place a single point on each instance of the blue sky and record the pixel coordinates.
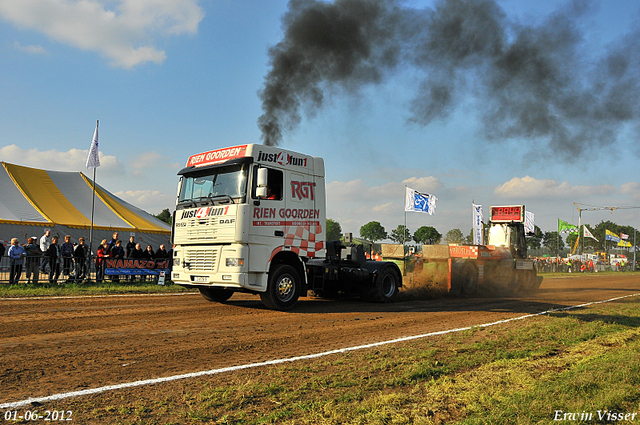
(190, 82)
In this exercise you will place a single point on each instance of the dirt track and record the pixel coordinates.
(59, 345)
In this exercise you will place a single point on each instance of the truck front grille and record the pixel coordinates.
(202, 260)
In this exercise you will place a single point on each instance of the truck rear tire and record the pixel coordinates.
(283, 289)
(469, 279)
(216, 294)
(385, 288)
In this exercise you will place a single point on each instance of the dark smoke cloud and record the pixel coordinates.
(536, 82)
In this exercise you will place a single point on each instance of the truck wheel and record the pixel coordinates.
(216, 294)
(284, 288)
(469, 280)
(385, 288)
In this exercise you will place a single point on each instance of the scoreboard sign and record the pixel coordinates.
(507, 214)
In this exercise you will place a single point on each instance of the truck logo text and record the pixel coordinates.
(302, 190)
(204, 212)
(282, 158)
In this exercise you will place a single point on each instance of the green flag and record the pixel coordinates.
(564, 227)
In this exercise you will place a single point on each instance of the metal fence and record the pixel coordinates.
(71, 270)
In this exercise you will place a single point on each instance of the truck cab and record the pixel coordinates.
(251, 218)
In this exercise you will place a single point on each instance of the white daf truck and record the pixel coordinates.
(252, 218)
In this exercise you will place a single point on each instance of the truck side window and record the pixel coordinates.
(274, 186)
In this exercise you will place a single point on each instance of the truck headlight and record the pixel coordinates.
(235, 262)
(176, 261)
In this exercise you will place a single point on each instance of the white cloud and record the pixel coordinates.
(529, 187)
(152, 201)
(33, 50)
(71, 160)
(121, 30)
(631, 189)
(151, 161)
(354, 203)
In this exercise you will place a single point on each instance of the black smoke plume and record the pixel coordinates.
(537, 82)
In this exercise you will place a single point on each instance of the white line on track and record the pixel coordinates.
(72, 297)
(57, 397)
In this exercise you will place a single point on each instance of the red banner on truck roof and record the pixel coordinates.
(219, 155)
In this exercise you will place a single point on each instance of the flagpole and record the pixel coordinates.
(93, 198)
(404, 235)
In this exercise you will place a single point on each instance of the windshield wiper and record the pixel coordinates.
(211, 197)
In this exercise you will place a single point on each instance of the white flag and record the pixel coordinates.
(588, 234)
(478, 216)
(419, 202)
(529, 223)
(93, 160)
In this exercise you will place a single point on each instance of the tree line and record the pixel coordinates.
(428, 235)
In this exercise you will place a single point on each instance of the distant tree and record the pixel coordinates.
(400, 234)
(334, 230)
(427, 235)
(550, 240)
(165, 215)
(454, 236)
(469, 238)
(373, 231)
(535, 241)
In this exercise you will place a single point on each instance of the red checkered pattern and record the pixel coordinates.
(301, 240)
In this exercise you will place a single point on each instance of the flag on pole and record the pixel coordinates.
(419, 202)
(624, 236)
(588, 234)
(477, 224)
(564, 227)
(93, 160)
(610, 236)
(529, 223)
(625, 244)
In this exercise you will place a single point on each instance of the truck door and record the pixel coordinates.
(267, 228)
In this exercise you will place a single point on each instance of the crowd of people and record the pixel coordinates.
(47, 255)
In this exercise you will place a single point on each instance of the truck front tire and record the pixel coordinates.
(215, 294)
(284, 288)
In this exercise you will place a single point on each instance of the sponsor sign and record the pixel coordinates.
(136, 267)
(217, 156)
(282, 158)
(204, 212)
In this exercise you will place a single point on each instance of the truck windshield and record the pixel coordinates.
(217, 185)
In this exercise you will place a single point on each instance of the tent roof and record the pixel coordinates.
(34, 196)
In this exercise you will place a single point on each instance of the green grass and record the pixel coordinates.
(520, 373)
(93, 288)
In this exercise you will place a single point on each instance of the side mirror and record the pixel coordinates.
(261, 189)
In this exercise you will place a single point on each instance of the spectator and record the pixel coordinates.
(137, 254)
(17, 254)
(1, 249)
(79, 257)
(149, 254)
(34, 256)
(161, 253)
(117, 252)
(45, 241)
(113, 240)
(101, 256)
(66, 251)
(54, 256)
(131, 245)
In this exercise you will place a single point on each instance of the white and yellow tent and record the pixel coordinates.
(32, 200)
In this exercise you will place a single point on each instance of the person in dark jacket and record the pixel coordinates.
(117, 251)
(149, 254)
(161, 253)
(66, 250)
(80, 259)
(34, 256)
(54, 256)
(131, 245)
